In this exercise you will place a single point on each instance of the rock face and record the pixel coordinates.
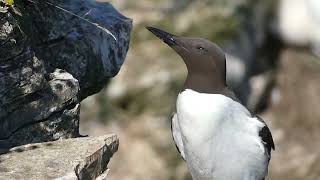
(91, 46)
(50, 59)
(70, 159)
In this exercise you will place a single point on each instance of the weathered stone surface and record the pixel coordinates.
(29, 95)
(70, 159)
(54, 115)
(50, 60)
(68, 42)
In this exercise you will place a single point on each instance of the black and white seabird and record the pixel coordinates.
(215, 134)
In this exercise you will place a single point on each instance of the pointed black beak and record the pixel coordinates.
(164, 36)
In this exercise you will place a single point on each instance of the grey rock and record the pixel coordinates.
(70, 42)
(50, 60)
(54, 115)
(80, 158)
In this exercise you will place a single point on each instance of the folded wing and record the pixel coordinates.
(176, 134)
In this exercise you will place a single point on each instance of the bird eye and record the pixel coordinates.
(201, 48)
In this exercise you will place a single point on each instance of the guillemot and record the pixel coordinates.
(215, 134)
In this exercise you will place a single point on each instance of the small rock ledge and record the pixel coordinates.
(67, 159)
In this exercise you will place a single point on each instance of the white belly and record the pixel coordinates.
(220, 138)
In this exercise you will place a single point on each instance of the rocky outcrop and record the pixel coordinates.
(52, 56)
(88, 39)
(70, 159)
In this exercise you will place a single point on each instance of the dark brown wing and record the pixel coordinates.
(266, 137)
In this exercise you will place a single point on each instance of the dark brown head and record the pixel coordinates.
(205, 61)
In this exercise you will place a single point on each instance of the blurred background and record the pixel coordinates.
(273, 64)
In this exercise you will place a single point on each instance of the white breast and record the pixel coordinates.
(220, 138)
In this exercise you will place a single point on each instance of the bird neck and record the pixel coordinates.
(203, 83)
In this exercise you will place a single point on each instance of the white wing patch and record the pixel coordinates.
(176, 133)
